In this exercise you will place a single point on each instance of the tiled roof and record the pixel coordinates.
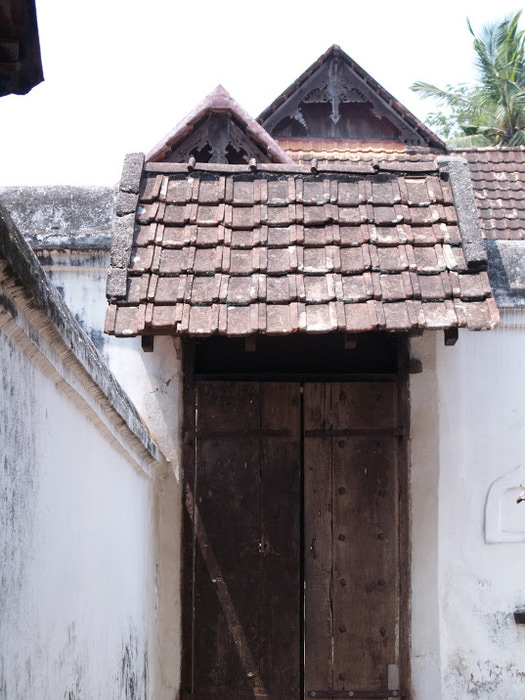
(279, 249)
(324, 151)
(498, 178)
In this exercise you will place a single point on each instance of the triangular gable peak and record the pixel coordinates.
(218, 130)
(336, 99)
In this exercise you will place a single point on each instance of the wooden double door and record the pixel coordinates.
(293, 505)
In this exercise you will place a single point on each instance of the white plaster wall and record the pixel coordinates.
(77, 550)
(154, 384)
(80, 277)
(151, 380)
(468, 429)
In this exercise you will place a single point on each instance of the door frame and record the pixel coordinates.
(187, 478)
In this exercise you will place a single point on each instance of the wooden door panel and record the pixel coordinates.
(353, 436)
(227, 529)
(365, 568)
(363, 405)
(246, 637)
(269, 490)
(319, 619)
(280, 606)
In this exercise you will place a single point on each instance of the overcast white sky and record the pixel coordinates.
(120, 74)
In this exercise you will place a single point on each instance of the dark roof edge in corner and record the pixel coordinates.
(468, 220)
(127, 201)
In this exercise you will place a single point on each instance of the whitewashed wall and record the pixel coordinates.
(151, 380)
(89, 516)
(78, 549)
(468, 431)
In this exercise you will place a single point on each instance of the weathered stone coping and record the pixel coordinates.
(23, 270)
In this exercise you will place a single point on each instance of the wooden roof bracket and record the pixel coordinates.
(451, 336)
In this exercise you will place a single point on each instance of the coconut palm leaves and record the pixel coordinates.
(492, 112)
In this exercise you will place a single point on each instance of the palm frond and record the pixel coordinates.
(472, 141)
(494, 107)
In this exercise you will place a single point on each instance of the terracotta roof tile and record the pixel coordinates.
(242, 262)
(282, 249)
(167, 290)
(391, 259)
(203, 320)
(279, 216)
(354, 235)
(280, 237)
(241, 238)
(395, 287)
(207, 236)
(357, 288)
(281, 319)
(137, 289)
(429, 259)
(207, 260)
(317, 193)
(142, 258)
(397, 317)
(328, 151)
(174, 236)
(361, 317)
(280, 290)
(431, 287)
(127, 320)
(172, 261)
(498, 179)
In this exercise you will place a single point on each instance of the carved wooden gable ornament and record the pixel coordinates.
(335, 98)
(218, 131)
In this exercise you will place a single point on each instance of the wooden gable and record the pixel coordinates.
(336, 99)
(218, 131)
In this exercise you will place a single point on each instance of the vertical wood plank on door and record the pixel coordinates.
(318, 559)
(227, 582)
(280, 642)
(365, 535)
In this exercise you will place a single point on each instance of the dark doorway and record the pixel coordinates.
(292, 506)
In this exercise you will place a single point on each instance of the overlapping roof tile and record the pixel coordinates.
(323, 152)
(498, 178)
(208, 249)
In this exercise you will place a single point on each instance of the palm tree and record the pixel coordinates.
(491, 112)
